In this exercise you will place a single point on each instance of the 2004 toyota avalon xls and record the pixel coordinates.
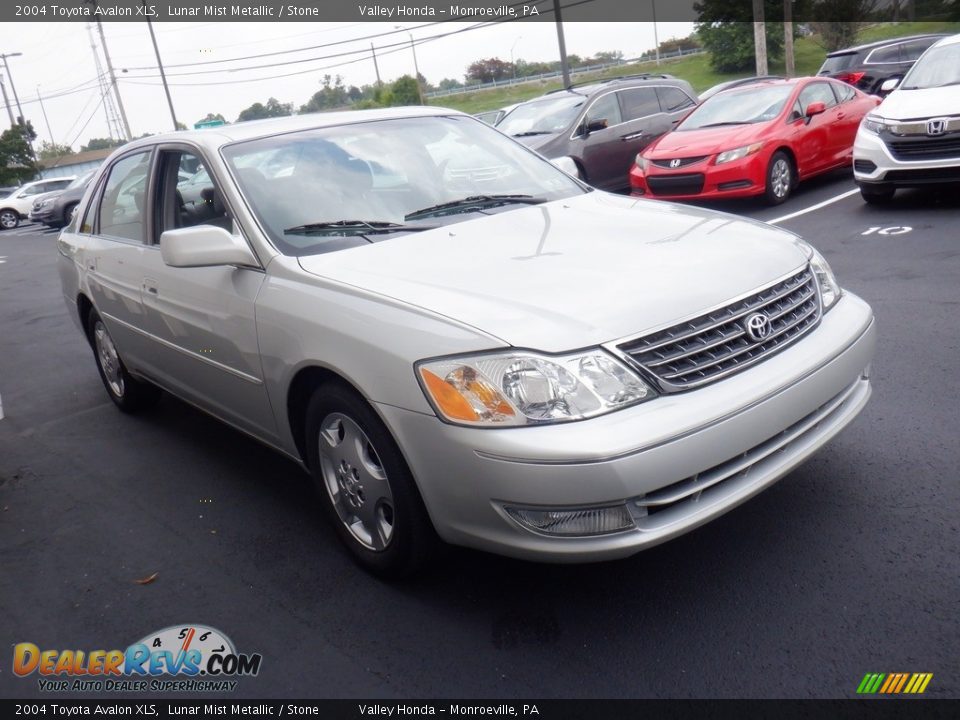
(458, 340)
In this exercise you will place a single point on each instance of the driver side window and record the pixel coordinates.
(124, 198)
(606, 108)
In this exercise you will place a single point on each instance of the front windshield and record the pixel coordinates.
(380, 174)
(550, 115)
(739, 107)
(937, 67)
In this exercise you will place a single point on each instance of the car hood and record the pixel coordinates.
(572, 273)
(920, 104)
(709, 141)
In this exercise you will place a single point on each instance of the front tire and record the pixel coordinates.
(876, 195)
(9, 219)
(126, 392)
(365, 486)
(780, 178)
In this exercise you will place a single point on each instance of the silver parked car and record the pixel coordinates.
(459, 341)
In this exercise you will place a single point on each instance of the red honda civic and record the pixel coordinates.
(756, 140)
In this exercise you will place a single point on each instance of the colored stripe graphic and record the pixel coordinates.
(894, 683)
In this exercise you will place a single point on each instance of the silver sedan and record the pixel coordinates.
(459, 341)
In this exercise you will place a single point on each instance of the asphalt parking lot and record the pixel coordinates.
(849, 565)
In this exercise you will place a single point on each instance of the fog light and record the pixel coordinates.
(577, 522)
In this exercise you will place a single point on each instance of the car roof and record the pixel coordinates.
(883, 43)
(253, 129)
(948, 40)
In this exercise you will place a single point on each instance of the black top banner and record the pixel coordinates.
(487, 709)
(475, 10)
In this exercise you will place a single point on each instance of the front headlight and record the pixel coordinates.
(641, 162)
(524, 388)
(739, 153)
(830, 291)
(874, 124)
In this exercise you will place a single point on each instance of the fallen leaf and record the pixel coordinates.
(146, 580)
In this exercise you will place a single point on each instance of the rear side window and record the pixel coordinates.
(639, 102)
(674, 99)
(123, 204)
(884, 55)
(844, 92)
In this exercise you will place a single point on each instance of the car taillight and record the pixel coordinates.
(851, 77)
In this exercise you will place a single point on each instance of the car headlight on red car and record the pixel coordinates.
(738, 153)
(526, 388)
(641, 162)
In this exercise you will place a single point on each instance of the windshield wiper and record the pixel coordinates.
(528, 133)
(475, 201)
(358, 227)
(721, 124)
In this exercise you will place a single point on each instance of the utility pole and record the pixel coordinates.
(788, 37)
(416, 68)
(656, 40)
(564, 68)
(6, 101)
(156, 50)
(113, 83)
(45, 118)
(13, 87)
(760, 37)
(376, 67)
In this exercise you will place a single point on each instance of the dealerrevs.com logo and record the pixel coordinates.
(180, 658)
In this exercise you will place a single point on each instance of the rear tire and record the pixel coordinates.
(876, 195)
(365, 486)
(780, 178)
(128, 394)
(9, 219)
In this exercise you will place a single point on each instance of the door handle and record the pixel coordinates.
(840, 116)
(632, 136)
(150, 286)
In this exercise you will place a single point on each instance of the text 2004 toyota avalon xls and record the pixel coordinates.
(457, 339)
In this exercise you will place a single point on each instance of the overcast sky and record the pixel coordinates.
(57, 57)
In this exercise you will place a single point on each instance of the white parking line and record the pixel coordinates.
(798, 213)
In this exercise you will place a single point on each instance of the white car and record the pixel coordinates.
(509, 361)
(913, 138)
(17, 205)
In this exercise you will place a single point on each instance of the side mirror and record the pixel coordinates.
(204, 246)
(591, 126)
(567, 164)
(815, 108)
(889, 85)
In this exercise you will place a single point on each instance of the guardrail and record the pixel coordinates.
(642, 60)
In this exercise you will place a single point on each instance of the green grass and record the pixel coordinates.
(808, 57)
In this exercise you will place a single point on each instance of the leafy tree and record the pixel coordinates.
(404, 91)
(50, 151)
(211, 117)
(606, 56)
(180, 126)
(449, 84)
(16, 157)
(331, 95)
(101, 144)
(488, 70)
(273, 108)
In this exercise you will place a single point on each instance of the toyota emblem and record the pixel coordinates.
(936, 126)
(675, 163)
(757, 327)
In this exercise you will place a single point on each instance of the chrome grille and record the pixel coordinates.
(682, 162)
(715, 345)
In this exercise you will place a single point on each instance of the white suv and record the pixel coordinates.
(16, 206)
(913, 138)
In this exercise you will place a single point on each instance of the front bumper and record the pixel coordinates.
(740, 178)
(888, 171)
(690, 456)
